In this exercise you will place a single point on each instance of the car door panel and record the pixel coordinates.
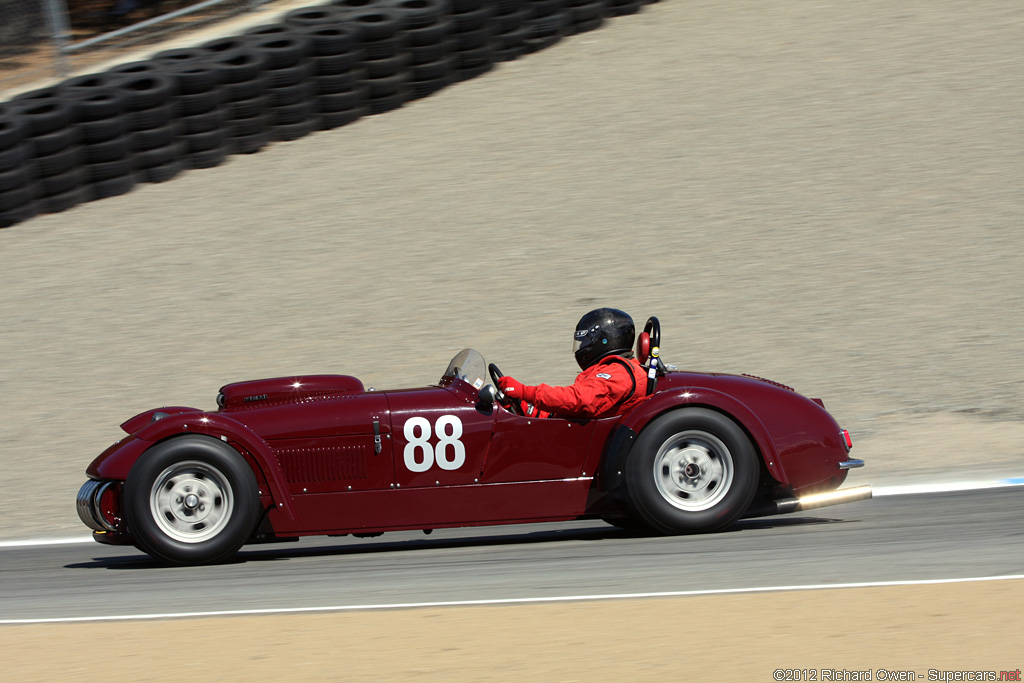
(440, 437)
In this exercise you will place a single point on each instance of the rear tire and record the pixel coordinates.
(691, 470)
(191, 500)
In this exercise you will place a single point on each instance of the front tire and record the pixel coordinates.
(691, 470)
(626, 523)
(191, 500)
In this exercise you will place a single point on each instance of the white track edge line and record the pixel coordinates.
(877, 491)
(33, 542)
(947, 487)
(507, 601)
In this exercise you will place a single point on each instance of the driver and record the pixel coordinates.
(612, 381)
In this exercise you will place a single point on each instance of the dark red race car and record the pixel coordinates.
(321, 454)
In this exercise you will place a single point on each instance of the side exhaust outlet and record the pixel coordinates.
(810, 502)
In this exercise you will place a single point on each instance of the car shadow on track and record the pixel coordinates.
(338, 547)
(600, 533)
(326, 547)
(783, 522)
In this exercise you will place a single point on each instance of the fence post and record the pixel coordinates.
(60, 29)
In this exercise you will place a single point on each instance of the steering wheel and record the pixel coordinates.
(510, 405)
(653, 329)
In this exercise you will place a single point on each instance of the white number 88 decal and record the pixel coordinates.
(450, 453)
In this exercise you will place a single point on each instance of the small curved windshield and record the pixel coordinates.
(469, 366)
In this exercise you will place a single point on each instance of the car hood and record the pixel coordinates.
(263, 393)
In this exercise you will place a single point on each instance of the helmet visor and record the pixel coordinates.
(579, 337)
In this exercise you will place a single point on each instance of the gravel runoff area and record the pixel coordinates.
(827, 194)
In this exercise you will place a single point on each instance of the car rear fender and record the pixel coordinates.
(115, 465)
(674, 399)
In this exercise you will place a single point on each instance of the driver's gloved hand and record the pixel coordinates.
(515, 389)
(530, 410)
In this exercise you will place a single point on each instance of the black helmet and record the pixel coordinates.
(600, 333)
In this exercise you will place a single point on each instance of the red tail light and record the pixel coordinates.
(847, 441)
(108, 505)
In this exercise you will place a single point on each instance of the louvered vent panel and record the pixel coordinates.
(323, 464)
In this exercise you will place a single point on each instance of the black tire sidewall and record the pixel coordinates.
(143, 474)
(643, 495)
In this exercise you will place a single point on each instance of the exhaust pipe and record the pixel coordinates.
(809, 502)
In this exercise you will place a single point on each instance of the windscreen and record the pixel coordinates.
(469, 366)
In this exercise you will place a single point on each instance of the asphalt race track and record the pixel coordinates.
(895, 538)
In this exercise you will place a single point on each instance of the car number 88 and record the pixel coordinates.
(420, 455)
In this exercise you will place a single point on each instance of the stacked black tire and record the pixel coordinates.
(244, 105)
(620, 8)
(201, 118)
(52, 136)
(510, 31)
(429, 29)
(549, 21)
(152, 117)
(586, 15)
(473, 37)
(17, 190)
(337, 56)
(386, 58)
(291, 98)
(105, 153)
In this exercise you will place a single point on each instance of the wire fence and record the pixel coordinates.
(42, 39)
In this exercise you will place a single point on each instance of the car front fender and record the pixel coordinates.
(116, 461)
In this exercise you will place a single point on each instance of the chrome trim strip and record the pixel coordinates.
(851, 464)
(568, 480)
(536, 481)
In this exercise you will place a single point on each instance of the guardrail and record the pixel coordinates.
(45, 39)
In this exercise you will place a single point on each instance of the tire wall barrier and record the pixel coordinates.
(318, 68)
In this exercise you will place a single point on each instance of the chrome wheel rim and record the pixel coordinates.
(191, 501)
(693, 470)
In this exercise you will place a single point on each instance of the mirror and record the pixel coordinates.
(486, 398)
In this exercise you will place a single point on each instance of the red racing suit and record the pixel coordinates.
(612, 386)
